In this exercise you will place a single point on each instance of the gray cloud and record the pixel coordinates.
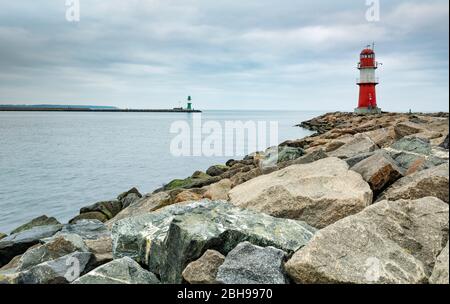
(268, 54)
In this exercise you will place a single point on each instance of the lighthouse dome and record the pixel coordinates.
(367, 52)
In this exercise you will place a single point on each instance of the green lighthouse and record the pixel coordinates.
(189, 103)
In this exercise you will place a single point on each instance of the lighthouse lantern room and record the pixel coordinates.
(367, 82)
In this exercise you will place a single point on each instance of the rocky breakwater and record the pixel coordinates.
(166, 241)
(363, 200)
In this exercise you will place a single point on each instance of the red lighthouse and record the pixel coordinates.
(367, 82)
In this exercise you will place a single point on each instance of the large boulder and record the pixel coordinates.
(286, 153)
(250, 264)
(200, 175)
(388, 242)
(430, 182)
(97, 238)
(236, 169)
(18, 243)
(14, 263)
(305, 159)
(217, 170)
(242, 177)
(57, 247)
(428, 136)
(87, 229)
(204, 270)
(338, 142)
(2, 235)
(94, 215)
(218, 191)
(413, 144)
(360, 143)
(120, 271)
(39, 221)
(63, 270)
(108, 208)
(95, 235)
(413, 162)
(440, 271)
(197, 180)
(318, 193)
(146, 204)
(406, 128)
(101, 248)
(169, 239)
(129, 197)
(415, 154)
(357, 158)
(379, 170)
(383, 137)
(279, 154)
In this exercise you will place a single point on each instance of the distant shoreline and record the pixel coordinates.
(39, 109)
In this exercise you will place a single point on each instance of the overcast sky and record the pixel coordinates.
(227, 54)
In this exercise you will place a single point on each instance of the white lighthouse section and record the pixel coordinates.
(367, 75)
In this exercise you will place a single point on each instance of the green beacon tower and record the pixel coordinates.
(189, 103)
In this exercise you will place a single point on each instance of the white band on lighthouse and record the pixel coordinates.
(367, 76)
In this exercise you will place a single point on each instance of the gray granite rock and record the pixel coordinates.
(287, 153)
(63, 270)
(120, 271)
(18, 243)
(360, 143)
(87, 229)
(305, 159)
(129, 197)
(279, 154)
(416, 162)
(250, 264)
(413, 144)
(357, 158)
(406, 160)
(108, 208)
(39, 221)
(57, 247)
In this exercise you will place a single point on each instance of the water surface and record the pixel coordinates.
(54, 163)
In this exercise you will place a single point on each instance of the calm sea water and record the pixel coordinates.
(54, 163)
